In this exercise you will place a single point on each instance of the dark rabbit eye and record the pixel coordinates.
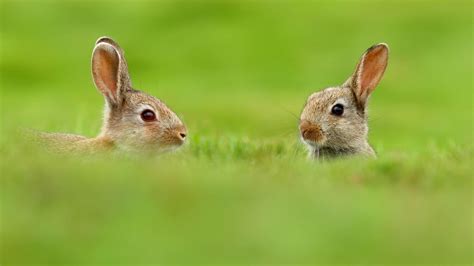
(337, 109)
(148, 116)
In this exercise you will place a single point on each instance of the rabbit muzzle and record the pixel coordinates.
(312, 134)
(175, 136)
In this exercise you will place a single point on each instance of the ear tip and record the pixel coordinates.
(384, 46)
(104, 39)
(380, 46)
(104, 46)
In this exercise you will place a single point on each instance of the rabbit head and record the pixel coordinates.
(133, 120)
(334, 121)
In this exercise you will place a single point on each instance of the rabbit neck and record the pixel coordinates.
(92, 145)
(359, 149)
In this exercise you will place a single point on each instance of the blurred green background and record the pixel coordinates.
(241, 191)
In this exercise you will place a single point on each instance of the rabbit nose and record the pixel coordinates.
(181, 133)
(310, 131)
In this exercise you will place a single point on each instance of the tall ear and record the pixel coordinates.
(109, 70)
(369, 72)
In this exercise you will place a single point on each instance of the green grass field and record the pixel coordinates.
(241, 190)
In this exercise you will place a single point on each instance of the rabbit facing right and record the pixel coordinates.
(134, 121)
(333, 122)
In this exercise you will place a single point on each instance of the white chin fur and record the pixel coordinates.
(313, 148)
(313, 152)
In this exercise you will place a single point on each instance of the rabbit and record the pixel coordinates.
(333, 122)
(132, 120)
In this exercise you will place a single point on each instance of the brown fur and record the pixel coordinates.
(329, 135)
(122, 127)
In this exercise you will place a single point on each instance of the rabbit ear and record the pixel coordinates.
(109, 70)
(369, 72)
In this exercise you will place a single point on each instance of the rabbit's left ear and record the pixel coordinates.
(369, 72)
(109, 70)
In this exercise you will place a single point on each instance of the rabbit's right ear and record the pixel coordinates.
(109, 70)
(368, 73)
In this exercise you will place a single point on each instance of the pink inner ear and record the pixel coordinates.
(106, 66)
(373, 66)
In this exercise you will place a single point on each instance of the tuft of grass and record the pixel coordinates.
(237, 200)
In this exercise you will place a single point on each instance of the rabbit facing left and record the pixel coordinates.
(333, 122)
(132, 121)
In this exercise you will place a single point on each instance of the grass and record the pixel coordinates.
(241, 190)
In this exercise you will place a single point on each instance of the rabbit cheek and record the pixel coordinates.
(151, 132)
(346, 131)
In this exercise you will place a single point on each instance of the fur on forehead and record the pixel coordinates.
(136, 97)
(140, 98)
(329, 95)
